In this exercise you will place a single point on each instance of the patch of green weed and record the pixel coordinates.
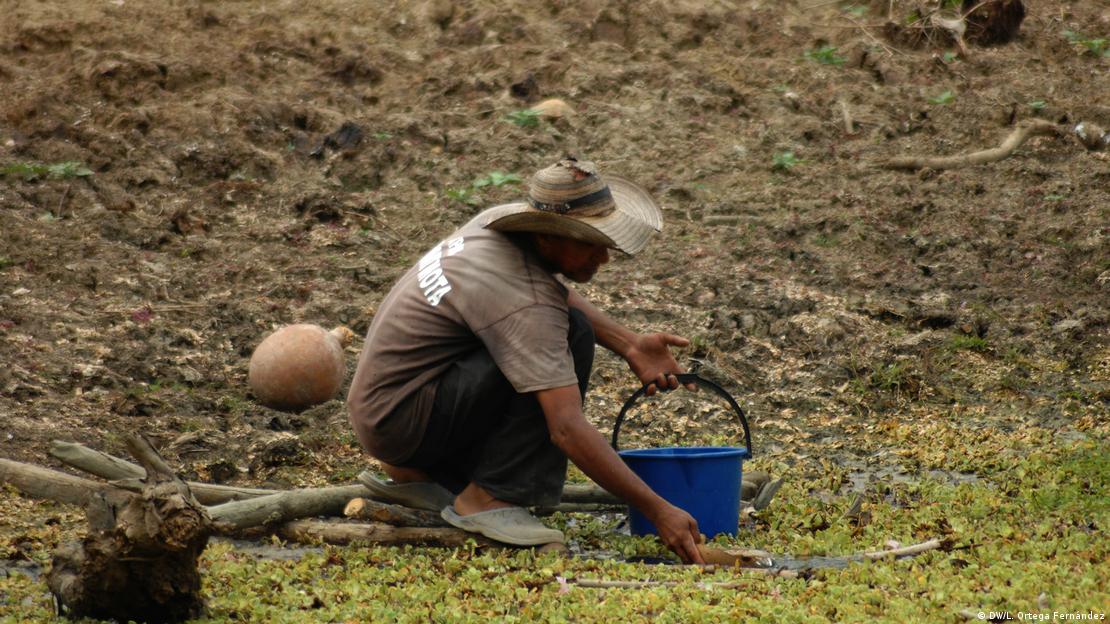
(899, 378)
(496, 178)
(825, 55)
(1026, 531)
(1098, 47)
(525, 118)
(961, 342)
(464, 195)
(944, 98)
(470, 195)
(784, 161)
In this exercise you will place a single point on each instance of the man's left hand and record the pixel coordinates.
(651, 360)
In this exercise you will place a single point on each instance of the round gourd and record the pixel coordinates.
(299, 366)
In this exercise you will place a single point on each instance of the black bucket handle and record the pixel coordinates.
(688, 378)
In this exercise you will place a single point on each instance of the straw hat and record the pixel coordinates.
(571, 199)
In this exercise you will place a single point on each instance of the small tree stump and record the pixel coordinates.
(139, 559)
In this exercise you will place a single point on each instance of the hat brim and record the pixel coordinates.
(628, 228)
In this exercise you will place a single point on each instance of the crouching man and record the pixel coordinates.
(469, 388)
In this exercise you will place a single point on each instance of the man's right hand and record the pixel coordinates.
(588, 449)
(678, 531)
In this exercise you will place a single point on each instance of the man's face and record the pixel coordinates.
(577, 260)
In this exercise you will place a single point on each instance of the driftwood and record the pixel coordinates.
(139, 559)
(733, 557)
(1020, 134)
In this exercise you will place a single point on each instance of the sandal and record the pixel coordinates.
(425, 495)
(511, 525)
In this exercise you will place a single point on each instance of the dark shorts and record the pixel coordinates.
(481, 430)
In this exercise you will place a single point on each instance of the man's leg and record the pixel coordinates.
(519, 464)
(491, 444)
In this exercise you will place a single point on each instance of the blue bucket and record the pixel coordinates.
(704, 481)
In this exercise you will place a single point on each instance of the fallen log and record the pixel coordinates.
(44, 483)
(282, 507)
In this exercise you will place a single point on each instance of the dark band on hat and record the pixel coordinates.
(596, 197)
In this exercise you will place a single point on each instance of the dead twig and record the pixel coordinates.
(904, 551)
(1024, 130)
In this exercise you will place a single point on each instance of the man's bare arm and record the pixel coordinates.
(585, 446)
(648, 355)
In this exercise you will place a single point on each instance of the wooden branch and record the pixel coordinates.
(905, 551)
(396, 515)
(284, 506)
(44, 483)
(94, 462)
(154, 467)
(1023, 131)
(116, 469)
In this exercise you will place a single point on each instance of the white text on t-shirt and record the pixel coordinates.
(430, 272)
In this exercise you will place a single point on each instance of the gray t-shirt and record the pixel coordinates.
(475, 289)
